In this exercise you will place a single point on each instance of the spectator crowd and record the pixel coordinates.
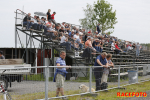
(78, 39)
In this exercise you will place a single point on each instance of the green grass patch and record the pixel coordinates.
(110, 95)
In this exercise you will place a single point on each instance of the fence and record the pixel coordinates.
(39, 86)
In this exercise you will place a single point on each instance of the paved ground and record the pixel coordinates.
(27, 87)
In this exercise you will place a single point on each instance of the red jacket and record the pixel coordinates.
(117, 46)
(52, 16)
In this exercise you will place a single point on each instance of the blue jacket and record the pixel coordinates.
(59, 71)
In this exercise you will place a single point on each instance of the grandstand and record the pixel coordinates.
(124, 58)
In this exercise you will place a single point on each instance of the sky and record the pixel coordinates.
(133, 16)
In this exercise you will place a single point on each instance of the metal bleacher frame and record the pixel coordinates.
(53, 45)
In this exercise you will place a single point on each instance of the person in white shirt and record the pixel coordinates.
(35, 24)
(77, 38)
(106, 70)
(113, 46)
(64, 42)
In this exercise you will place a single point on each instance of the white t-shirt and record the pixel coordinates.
(76, 36)
(63, 39)
(113, 46)
(35, 21)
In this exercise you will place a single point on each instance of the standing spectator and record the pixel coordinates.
(48, 15)
(52, 17)
(98, 71)
(98, 28)
(106, 70)
(64, 42)
(138, 47)
(60, 74)
(1, 55)
(27, 21)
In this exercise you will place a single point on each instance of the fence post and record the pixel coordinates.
(119, 77)
(90, 84)
(46, 82)
(137, 74)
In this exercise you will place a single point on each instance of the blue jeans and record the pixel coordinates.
(137, 52)
(99, 49)
(35, 26)
(29, 24)
(42, 26)
(81, 46)
(74, 47)
(67, 44)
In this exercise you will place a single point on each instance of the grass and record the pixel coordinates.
(110, 95)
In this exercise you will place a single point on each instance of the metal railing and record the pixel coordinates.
(41, 85)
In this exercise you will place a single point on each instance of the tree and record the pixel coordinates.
(87, 22)
(101, 12)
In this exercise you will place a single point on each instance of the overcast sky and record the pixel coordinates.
(133, 16)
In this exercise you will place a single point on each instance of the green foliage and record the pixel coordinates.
(101, 12)
(87, 22)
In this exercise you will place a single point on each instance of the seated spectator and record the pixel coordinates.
(48, 15)
(117, 49)
(96, 45)
(42, 21)
(90, 31)
(88, 43)
(71, 33)
(63, 24)
(64, 42)
(1, 55)
(27, 21)
(76, 36)
(52, 17)
(39, 23)
(79, 42)
(113, 48)
(62, 30)
(129, 47)
(49, 32)
(34, 23)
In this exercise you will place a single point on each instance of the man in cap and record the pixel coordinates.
(1, 55)
(96, 45)
(49, 32)
(64, 42)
